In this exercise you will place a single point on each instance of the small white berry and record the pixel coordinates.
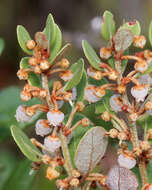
(139, 92)
(21, 115)
(145, 79)
(116, 103)
(52, 143)
(42, 128)
(126, 161)
(55, 117)
(89, 94)
(67, 75)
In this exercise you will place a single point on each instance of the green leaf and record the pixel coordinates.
(2, 45)
(150, 33)
(77, 75)
(24, 63)
(107, 25)
(20, 178)
(25, 145)
(50, 30)
(91, 149)
(81, 87)
(23, 36)
(133, 26)
(34, 79)
(91, 55)
(7, 164)
(61, 53)
(123, 39)
(56, 45)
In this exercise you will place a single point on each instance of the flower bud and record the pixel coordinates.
(37, 69)
(25, 96)
(22, 74)
(21, 115)
(44, 65)
(64, 63)
(55, 117)
(89, 94)
(126, 161)
(106, 116)
(42, 128)
(139, 41)
(30, 44)
(43, 93)
(141, 66)
(139, 92)
(133, 116)
(113, 133)
(113, 75)
(52, 173)
(80, 106)
(66, 75)
(52, 143)
(121, 89)
(74, 182)
(97, 75)
(75, 173)
(144, 145)
(85, 122)
(99, 92)
(32, 61)
(105, 53)
(116, 103)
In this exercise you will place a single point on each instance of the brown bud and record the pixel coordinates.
(37, 69)
(80, 106)
(121, 89)
(106, 116)
(30, 44)
(44, 65)
(97, 75)
(133, 116)
(32, 61)
(22, 74)
(64, 63)
(52, 173)
(30, 111)
(105, 53)
(113, 133)
(75, 173)
(113, 75)
(74, 182)
(85, 122)
(25, 96)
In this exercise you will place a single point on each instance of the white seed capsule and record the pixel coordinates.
(141, 66)
(55, 117)
(105, 53)
(52, 143)
(145, 79)
(116, 103)
(67, 75)
(89, 94)
(139, 92)
(126, 161)
(21, 115)
(42, 128)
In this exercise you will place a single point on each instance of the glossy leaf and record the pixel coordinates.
(123, 39)
(2, 44)
(55, 48)
(76, 76)
(91, 149)
(23, 36)
(24, 63)
(134, 26)
(25, 145)
(91, 55)
(107, 25)
(50, 29)
(81, 86)
(61, 53)
(150, 33)
(121, 178)
(20, 178)
(7, 164)
(34, 79)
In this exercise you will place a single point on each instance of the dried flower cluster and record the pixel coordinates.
(129, 102)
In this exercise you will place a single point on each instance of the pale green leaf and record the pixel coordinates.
(134, 26)
(150, 33)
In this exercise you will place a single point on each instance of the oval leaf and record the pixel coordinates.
(77, 75)
(24, 63)
(134, 26)
(121, 178)
(57, 44)
(23, 36)
(90, 149)
(50, 29)
(107, 25)
(34, 79)
(91, 55)
(150, 33)
(25, 145)
(123, 39)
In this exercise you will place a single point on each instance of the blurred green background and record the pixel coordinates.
(78, 19)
